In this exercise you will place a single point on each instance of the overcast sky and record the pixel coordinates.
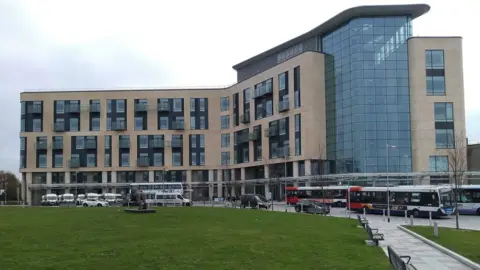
(62, 44)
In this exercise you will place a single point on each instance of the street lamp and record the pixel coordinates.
(286, 155)
(387, 147)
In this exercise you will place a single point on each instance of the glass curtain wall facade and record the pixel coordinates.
(367, 95)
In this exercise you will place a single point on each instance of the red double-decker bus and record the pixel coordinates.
(335, 196)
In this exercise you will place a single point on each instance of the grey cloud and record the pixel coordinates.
(29, 62)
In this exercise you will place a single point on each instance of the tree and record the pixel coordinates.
(10, 184)
(457, 165)
(266, 162)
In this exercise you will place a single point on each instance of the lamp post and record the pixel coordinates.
(387, 147)
(285, 148)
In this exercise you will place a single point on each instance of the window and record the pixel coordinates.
(91, 160)
(109, 105)
(202, 158)
(22, 125)
(125, 160)
(225, 140)
(297, 147)
(22, 143)
(79, 142)
(296, 86)
(58, 161)
(202, 104)
(42, 161)
(225, 121)
(95, 124)
(443, 111)
(296, 96)
(143, 141)
(297, 122)
(176, 159)
(60, 106)
(224, 104)
(138, 123)
(106, 162)
(108, 141)
(438, 163)
(22, 105)
(225, 158)
(192, 104)
(192, 122)
(109, 123)
(269, 107)
(37, 125)
(434, 59)
(194, 158)
(177, 105)
(157, 159)
(444, 138)
(120, 105)
(282, 81)
(202, 122)
(282, 126)
(435, 72)
(164, 122)
(247, 95)
(193, 141)
(74, 124)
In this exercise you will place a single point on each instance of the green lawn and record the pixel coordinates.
(463, 242)
(180, 238)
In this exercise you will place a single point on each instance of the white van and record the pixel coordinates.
(67, 198)
(112, 198)
(164, 199)
(80, 199)
(51, 199)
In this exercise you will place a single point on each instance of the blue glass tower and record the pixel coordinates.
(367, 95)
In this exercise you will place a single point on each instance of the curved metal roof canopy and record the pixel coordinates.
(414, 11)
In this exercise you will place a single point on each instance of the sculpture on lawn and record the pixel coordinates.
(139, 197)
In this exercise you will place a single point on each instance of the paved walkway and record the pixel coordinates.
(424, 257)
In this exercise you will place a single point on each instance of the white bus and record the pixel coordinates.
(152, 188)
(418, 201)
(468, 200)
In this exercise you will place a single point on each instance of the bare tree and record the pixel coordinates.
(457, 165)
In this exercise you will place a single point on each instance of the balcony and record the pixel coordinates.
(59, 127)
(283, 151)
(271, 131)
(122, 143)
(35, 109)
(177, 143)
(178, 125)
(91, 144)
(42, 145)
(252, 136)
(283, 105)
(57, 145)
(242, 138)
(163, 107)
(262, 90)
(95, 108)
(143, 162)
(119, 125)
(141, 107)
(74, 163)
(157, 143)
(245, 118)
(73, 108)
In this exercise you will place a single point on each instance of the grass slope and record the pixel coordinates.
(180, 238)
(463, 242)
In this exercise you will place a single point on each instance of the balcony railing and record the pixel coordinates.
(245, 118)
(122, 143)
(242, 139)
(271, 131)
(59, 127)
(57, 145)
(252, 136)
(73, 108)
(91, 144)
(177, 143)
(262, 90)
(119, 125)
(283, 151)
(178, 125)
(41, 145)
(141, 107)
(143, 162)
(163, 107)
(157, 143)
(74, 163)
(283, 105)
(95, 108)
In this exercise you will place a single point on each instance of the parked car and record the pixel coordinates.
(254, 201)
(92, 202)
(312, 207)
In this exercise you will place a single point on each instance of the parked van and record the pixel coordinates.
(80, 199)
(51, 199)
(164, 199)
(254, 201)
(67, 198)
